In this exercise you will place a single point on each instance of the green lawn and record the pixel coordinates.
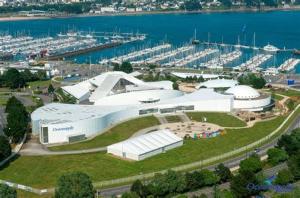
(118, 133)
(172, 119)
(288, 92)
(41, 84)
(221, 119)
(4, 96)
(25, 194)
(44, 171)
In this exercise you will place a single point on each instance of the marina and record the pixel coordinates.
(136, 54)
(164, 56)
(60, 46)
(191, 58)
(222, 60)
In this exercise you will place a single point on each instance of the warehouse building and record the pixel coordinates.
(144, 146)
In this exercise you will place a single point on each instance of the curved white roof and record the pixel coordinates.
(218, 83)
(139, 97)
(102, 85)
(146, 143)
(243, 92)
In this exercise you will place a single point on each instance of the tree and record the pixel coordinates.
(12, 103)
(243, 184)
(226, 3)
(290, 143)
(138, 188)
(194, 180)
(223, 172)
(126, 67)
(17, 120)
(276, 155)
(74, 185)
(116, 67)
(294, 165)
(13, 79)
(251, 164)
(7, 192)
(5, 148)
(255, 81)
(164, 184)
(192, 5)
(51, 89)
(175, 86)
(130, 195)
(284, 177)
(209, 177)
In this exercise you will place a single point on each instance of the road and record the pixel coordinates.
(232, 163)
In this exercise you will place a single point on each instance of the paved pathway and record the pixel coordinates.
(34, 148)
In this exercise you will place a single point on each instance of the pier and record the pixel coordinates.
(160, 57)
(255, 62)
(191, 58)
(289, 64)
(222, 60)
(239, 46)
(136, 54)
(83, 51)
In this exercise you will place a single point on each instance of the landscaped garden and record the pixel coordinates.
(116, 134)
(43, 171)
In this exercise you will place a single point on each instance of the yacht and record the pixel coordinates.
(270, 48)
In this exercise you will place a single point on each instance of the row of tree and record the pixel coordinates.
(17, 120)
(13, 79)
(172, 183)
(124, 67)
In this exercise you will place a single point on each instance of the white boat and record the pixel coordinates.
(270, 48)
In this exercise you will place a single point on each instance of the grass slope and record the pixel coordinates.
(221, 119)
(44, 171)
(118, 133)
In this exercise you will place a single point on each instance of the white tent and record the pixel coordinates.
(145, 146)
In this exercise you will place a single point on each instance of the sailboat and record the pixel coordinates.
(254, 47)
(238, 46)
(195, 41)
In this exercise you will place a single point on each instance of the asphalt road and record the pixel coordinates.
(229, 163)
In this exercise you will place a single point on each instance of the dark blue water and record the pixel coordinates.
(279, 28)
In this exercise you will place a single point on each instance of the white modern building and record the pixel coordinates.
(248, 99)
(144, 146)
(62, 123)
(111, 83)
(218, 83)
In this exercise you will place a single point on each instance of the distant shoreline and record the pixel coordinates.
(266, 9)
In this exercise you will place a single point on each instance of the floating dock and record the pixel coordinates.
(191, 58)
(289, 64)
(220, 62)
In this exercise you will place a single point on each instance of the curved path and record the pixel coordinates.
(34, 148)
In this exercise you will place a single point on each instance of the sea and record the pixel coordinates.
(279, 28)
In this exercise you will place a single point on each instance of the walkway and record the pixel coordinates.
(34, 148)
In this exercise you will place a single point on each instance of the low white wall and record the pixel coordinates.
(248, 104)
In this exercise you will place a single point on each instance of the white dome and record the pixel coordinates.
(243, 92)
